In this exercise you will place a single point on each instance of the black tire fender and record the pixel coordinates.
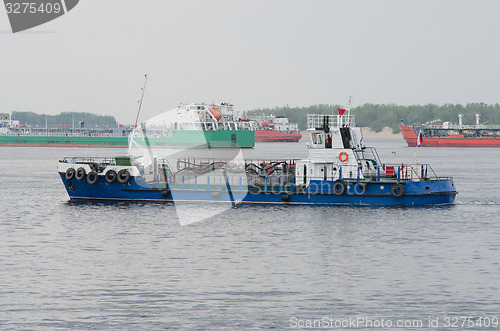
(80, 173)
(110, 176)
(360, 188)
(339, 187)
(123, 176)
(70, 173)
(92, 177)
(253, 190)
(397, 190)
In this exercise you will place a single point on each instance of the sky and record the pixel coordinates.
(254, 54)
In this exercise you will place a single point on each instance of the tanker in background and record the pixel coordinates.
(189, 125)
(449, 134)
(272, 128)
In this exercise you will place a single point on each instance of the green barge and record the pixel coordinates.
(190, 126)
(179, 139)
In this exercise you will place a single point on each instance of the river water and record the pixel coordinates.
(133, 266)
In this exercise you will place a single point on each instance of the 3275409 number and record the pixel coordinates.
(470, 322)
(32, 8)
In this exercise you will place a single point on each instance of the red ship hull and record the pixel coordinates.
(451, 141)
(276, 136)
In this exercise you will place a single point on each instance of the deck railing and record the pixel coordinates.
(90, 160)
(315, 121)
(462, 127)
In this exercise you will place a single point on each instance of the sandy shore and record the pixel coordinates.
(369, 133)
(385, 133)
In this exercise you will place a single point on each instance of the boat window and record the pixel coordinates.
(319, 138)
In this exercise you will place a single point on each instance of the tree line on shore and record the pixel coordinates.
(378, 116)
(64, 119)
(374, 116)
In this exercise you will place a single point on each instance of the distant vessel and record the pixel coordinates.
(276, 129)
(201, 125)
(195, 125)
(453, 135)
(340, 170)
(12, 133)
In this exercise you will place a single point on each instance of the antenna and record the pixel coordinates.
(349, 110)
(140, 101)
(132, 135)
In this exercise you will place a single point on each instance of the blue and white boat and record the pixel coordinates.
(340, 170)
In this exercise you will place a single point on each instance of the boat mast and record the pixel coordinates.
(140, 101)
(138, 112)
(349, 110)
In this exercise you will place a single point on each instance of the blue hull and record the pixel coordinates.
(318, 192)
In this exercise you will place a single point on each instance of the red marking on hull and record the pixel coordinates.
(411, 140)
(276, 136)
